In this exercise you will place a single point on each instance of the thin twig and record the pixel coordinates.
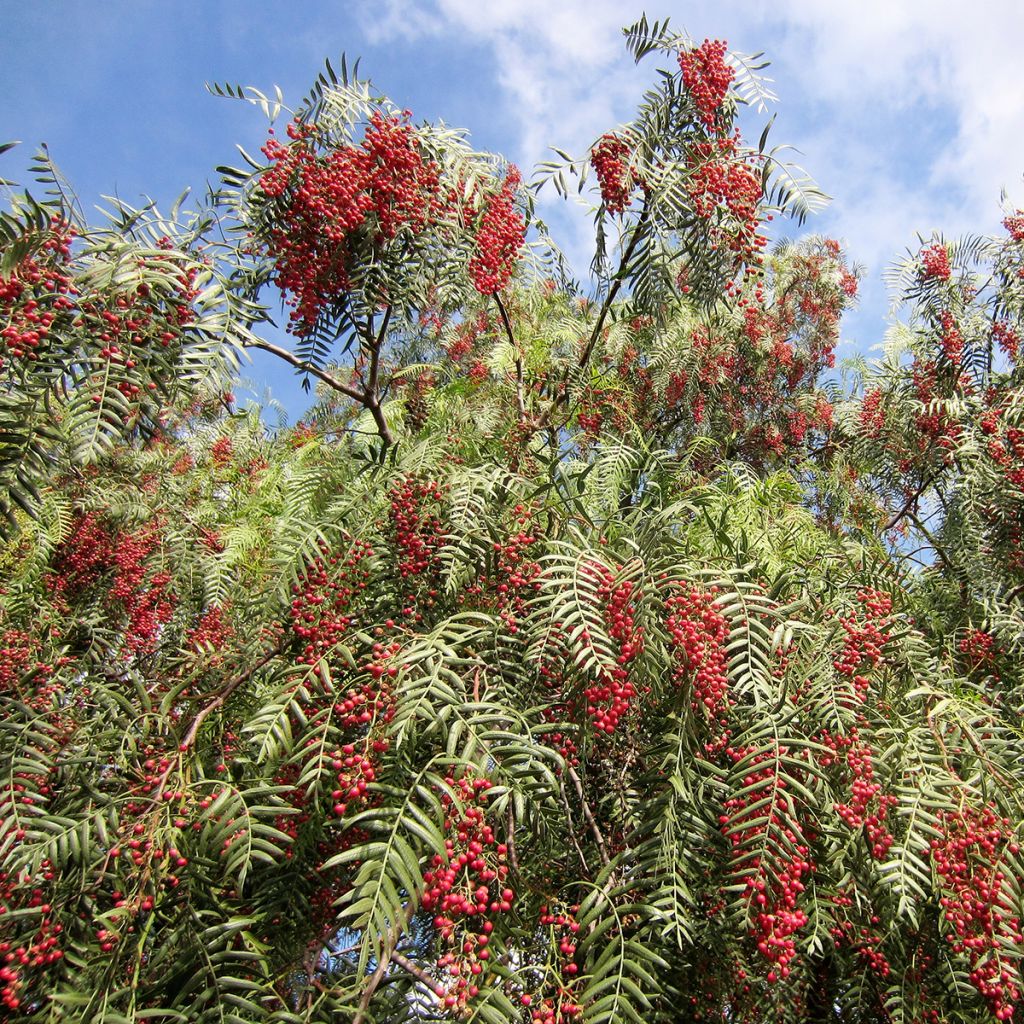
(606, 306)
(589, 815)
(414, 969)
(222, 696)
(520, 395)
(572, 829)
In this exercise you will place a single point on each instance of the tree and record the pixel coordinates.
(582, 656)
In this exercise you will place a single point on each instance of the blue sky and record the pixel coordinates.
(908, 113)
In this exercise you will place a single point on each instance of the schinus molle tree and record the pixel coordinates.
(583, 656)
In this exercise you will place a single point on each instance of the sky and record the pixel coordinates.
(907, 113)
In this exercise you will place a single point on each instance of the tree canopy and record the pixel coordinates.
(588, 653)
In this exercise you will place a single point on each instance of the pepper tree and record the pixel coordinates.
(584, 654)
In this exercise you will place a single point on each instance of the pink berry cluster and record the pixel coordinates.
(868, 806)
(978, 905)
(557, 1001)
(950, 338)
(867, 630)
(35, 292)
(609, 697)
(722, 184)
(499, 237)
(1014, 224)
(707, 77)
(416, 528)
(935, 262)
(467, 889)
(871, 415)
(610, 159)
(320, 610)
(24, 959)
(328, 205)
(698, 634)
(773, 894)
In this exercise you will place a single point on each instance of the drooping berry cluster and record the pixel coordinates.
(772, 892)
(321, 613)
(935, 262)
(609, 697)
(82, 558)
(610, 159)
(867, 632)
(418, 537)
(979, 907)
(25, 954)
(33, 294)
(499, 238)
(725, 187)
(698, 634)
(950, 338)
(466, 889)
(980, 650)
(555, 1000)
(148, 603)
(707, 77)
(871, 414)
(868, 806)
(1014, 224)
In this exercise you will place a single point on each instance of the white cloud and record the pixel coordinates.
(909, 113)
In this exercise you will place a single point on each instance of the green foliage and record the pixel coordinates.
(580, 658)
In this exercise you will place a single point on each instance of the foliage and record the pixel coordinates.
(580, 658)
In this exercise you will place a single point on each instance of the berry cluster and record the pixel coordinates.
(559, 1006)
(211, 634)
(867, 632)
(466, 889)
(326, 207)
(148, 605)
(23, 675)
(35, 292)
(355, 771)
(1014, 224)
(978, 903)
(950, 338)
(864, 940)
(221, 451)
(872, 416)
(722, 183)
(24, 957)
(320, 611)
(82, 558)
(935, 262)
(515, 577)
(707, 77)
(868, 807)
(499, 237)
(698, 634)
(610, 159)
(608, 698)
(418, 537)
(771, 892)
(980, 650)
(1007, 338)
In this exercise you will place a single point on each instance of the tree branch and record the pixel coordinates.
(520, 396)
(606, 306)
(330, 380)
(589, 815)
